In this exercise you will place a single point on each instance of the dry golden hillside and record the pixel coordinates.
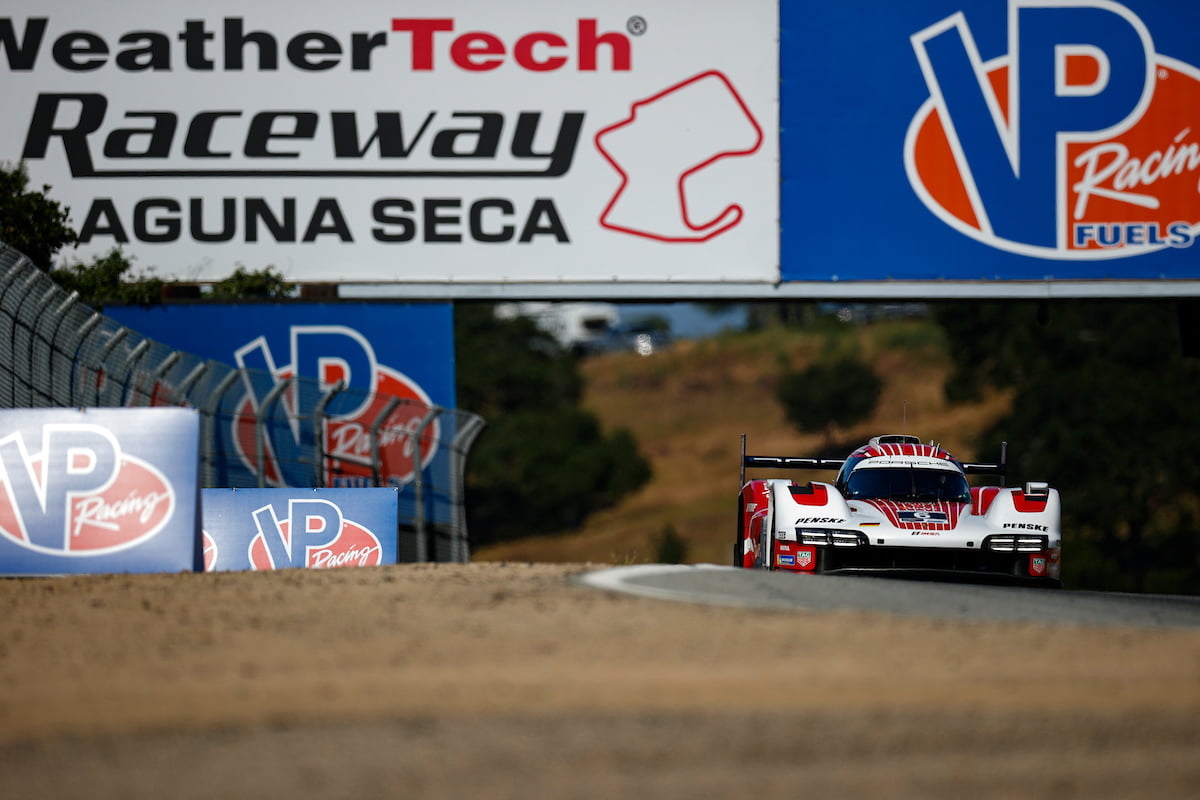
(688, 404)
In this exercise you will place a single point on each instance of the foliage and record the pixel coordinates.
(106, 280)
(264, 284)
(828, 394)
(542, 464)
(670, 547)
(29, 220)
(1104, 410)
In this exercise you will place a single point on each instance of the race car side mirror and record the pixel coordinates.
(1037, 489)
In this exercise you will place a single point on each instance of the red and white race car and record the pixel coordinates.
(898, 506)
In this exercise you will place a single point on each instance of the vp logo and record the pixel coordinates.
(81, 495)
(1080, 142)
(314, 534)
(360, 397)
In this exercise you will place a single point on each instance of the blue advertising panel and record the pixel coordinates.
(256, 529)
(100, 490)
(378, 350)
(990, 140)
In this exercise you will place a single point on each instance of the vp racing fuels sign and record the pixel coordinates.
(263, 529)
(452, 141)
(1081, 142)
(991, 140)
(98, 490)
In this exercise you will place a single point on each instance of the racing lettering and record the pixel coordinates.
(1026, 526)
(820, 521)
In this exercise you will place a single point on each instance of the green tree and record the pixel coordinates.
(29, 220)
(542, 464)
(1103, 409)
(263, 284)
(106, 280)
(829, 394)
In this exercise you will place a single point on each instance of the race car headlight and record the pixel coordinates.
(829, 537)
(805, 536)
(1013, 543)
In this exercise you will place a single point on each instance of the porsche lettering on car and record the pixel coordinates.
(898, 506)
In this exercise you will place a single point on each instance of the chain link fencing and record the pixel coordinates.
(257, 430)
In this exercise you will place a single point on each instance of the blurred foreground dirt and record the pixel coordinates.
(503, 680)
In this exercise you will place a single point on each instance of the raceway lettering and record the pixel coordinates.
(1055, 149)
(81, 495)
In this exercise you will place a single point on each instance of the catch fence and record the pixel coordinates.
(257, 429)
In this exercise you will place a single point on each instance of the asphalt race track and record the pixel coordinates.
(730, 586)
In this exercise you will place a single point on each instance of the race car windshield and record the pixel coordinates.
(913, 485)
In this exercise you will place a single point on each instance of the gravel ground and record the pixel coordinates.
(504, 680)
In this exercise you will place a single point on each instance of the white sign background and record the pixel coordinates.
(701, 90)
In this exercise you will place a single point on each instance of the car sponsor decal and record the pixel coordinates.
(919, 516)
(1081, 142)
(786, 560)
(1037, 565)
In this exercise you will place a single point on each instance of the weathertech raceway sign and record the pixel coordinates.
(99, 490)
(1027, 139)
(456, 141)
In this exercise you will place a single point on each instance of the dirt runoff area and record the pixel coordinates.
(506, 681)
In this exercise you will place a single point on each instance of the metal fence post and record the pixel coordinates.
(376, 426)
(109, 346)
(319, 431)
(208, 425)
(260, 433)
(459, 446)
(419, 484)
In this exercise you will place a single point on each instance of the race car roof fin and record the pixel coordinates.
(985, 468)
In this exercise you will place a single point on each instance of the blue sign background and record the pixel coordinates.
(850, 86)
(167, 439)
(228, 517)
(416, 339)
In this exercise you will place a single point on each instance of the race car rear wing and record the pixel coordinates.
(784, 462)
(790, 462)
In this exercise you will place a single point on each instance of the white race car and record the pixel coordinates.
(898, 506)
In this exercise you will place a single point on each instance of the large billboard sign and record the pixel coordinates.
(453, 142)
(992, 140)
(98, 490)
(376, 351)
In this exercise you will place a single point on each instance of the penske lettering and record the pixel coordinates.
(1026, 526)
(231, 47)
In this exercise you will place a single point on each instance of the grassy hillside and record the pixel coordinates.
(688, 404)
